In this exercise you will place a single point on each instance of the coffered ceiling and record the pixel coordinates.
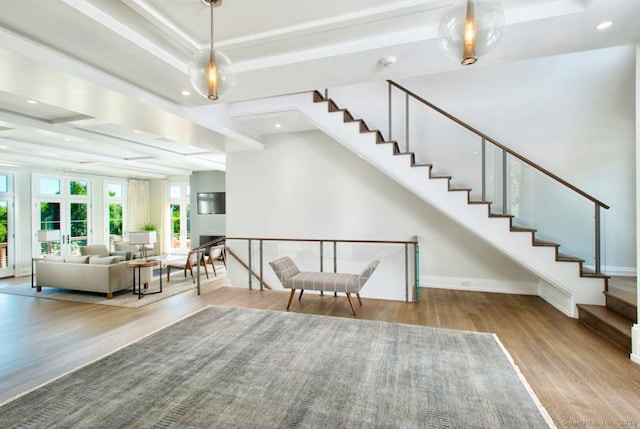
(107, 76)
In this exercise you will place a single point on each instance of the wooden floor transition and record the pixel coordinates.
(579, 376)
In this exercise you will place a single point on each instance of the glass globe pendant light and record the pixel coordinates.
(210, 71)
(471, 28)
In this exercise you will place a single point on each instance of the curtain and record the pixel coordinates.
(138, 203)
(164, 235)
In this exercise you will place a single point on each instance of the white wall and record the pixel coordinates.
(572, 114)
(635, 331)
(306, 185)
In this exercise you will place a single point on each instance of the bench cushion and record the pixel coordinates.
(333, 282)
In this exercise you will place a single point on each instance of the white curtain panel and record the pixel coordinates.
(138, 204)
(164, 235)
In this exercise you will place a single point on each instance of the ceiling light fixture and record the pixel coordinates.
(604, 25)
(186, 93)
(471, 28)
(210, 71)
(32, 101)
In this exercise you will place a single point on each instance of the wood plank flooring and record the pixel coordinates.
(579, 376)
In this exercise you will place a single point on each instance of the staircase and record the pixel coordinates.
(565, 282)
(614, 319)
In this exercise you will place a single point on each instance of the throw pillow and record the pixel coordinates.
(54, 258)
(77, 259)
(106, 260)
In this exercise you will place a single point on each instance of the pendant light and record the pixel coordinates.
(210, 71)
(471, 28)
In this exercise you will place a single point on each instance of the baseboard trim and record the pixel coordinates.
(480, 285)
(561, 299)
(635, 344)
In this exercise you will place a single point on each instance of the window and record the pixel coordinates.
(180, 208)
(49, 186)
(116, 203)
(78, 188)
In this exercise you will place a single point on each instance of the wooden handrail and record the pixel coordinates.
(499, 145)
(246, 266)
(318, 240)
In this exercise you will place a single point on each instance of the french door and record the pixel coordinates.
(6, 237)
(61, 215)
(71, 218)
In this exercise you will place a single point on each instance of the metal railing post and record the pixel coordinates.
(484, 170)
(335, 256)
(250, 266)
(261, 269)
(598, 267)
(321, 256)
(406, 123)
(199, 256)
(504, 182)
(390, 113)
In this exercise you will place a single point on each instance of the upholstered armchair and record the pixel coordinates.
(101, 250)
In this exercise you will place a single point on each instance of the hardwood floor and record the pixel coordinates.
(579, 376)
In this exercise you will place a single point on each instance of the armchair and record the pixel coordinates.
(101, 250)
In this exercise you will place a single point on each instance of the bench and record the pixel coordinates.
(292, 278)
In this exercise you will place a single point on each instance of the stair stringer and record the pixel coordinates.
(571, 288)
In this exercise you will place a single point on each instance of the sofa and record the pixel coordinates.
(103, 274)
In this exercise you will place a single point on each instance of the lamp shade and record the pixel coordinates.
(212, 79)
(48, 235)
(471, 28)
(143, 237)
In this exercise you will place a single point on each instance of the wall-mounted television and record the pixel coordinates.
(211, 203)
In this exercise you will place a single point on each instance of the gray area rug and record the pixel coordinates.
(242, 368)
(124, 298)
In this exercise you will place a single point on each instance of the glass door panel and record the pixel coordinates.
(6, 241)
(50, 219)
(78, 227)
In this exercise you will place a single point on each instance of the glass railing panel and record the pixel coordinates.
(493, 178)
(393, 279)
(558, 214)
(451, 149)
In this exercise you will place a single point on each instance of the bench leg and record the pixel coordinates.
(293, 292)
(353, 310)
(359, 300)
(301, 292)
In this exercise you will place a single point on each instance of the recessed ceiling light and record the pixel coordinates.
(278, 125)
(604, 25)
(2, 146)
(186, 93)
(67, 139)
(32, 101)
(136, 131)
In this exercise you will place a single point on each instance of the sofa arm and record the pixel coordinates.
(367, 272)
(123, 254)
(284, 268)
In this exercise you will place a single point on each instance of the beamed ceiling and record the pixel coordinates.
(107, 76)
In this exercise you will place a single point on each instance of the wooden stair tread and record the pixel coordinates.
(538, 242)
(621, 298)
(568, 258)
(609, 317)
(522, 229)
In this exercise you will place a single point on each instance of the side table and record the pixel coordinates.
(144, 264)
